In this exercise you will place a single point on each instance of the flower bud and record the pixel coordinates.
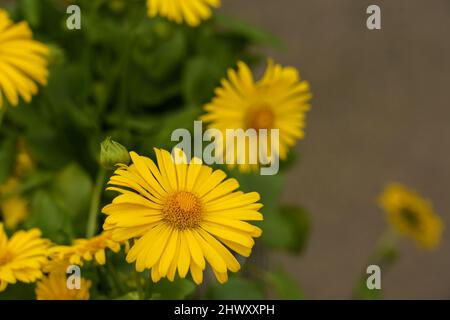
(113, 153)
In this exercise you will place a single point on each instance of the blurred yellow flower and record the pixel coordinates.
(24, 162)
(23, 61)
(21, 257)
(411, 215)
(193, 12)
(14, 208)
(83, 250)
(180, 214)
(54, 287)
(278, 101)
(94, 248)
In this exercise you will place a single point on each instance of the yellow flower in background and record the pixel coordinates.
(23, 61)
(83, 250)
(193, 12)
(14, 208)
(54, 287)
(24, 162)
(182, 215)
(21, 257)
(411, 215)
(277, 101)
(94, 248)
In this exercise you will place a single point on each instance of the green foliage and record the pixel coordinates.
(176, 290)
(285, 228)
(135, 79)
(236, 289)
(7, 157)
(284, 286)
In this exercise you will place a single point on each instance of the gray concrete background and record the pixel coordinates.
(380, 113)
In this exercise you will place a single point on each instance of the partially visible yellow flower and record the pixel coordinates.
(94, 248)
(23, 61)
(54, 287)
(181, 215)
(83, 250)
(58, 260)
(279, 100)
(14, 208)
(22, 257)
(193, 12)
(411, 215)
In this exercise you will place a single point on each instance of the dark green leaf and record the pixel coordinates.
(236, 289)
(72, 189)
(179, 289)
(300, 224)
(285, 287)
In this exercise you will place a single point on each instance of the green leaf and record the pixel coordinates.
(32, 11)
(300, 223)
(176, 290)
(277, 232)
(284, 286)
(200, 77)
(129, 296)
(72, 189)
(250, 33)
(235, 289)
(18, 291)
(49, 217)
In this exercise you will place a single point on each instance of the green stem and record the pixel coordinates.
(95, 203)
(139, 287)
(116, 280)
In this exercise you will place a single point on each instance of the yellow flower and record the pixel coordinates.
(24, 162)
(21, 257)
(411, 215)
(23, 61)
(14, 208)
(277, 101)
(54, 287)
(83, 250)
(87, 249)
(193, 12)
(181, 215)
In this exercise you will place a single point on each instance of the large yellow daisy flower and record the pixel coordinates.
(181, 214)
(54, 287)
(21, 257)
(193, 12)
(278, 101)
(23, 61)
(411, 215)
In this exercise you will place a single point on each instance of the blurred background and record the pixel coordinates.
(380, 114)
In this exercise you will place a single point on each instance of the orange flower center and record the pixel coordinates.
(5, 257)
(183, 210)
(260, 118)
